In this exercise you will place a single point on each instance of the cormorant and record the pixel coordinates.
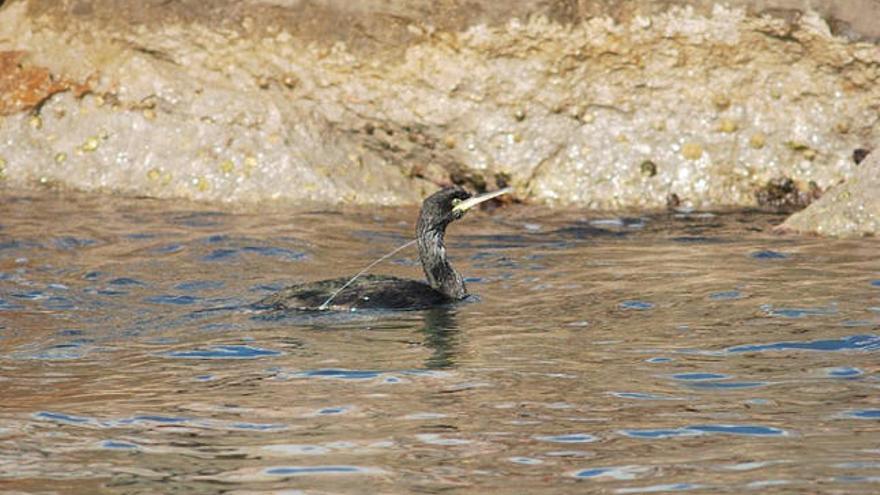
(444, 284)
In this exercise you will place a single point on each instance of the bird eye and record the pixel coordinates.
(455, 202)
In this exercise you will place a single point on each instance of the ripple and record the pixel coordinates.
(258, 426)
(746, 430)
(727, 385)
(7, 306)
(727, 295)
(172, 299)
(857, 323)
(863, 414)
(331, 411)
(767, 254)
(153, 418)
(58, 303)
(636, 305)
(60, 352)
(125, 281)
(339, 374)
(138, 236)
(675, 487)
(700, 376)
(297, 449)
(224, 352)
(119, 445)
(850, 343)
(607, 222)
(643, 396)
(63, 418)
(18, 244)
(110, 292)
(750, 466)
(316, 470)
(660, 433)
(690, 431)
(797, 312)
(214, 239)
(617, 472)
(435, 439)
(220, 255)
(32, 295)
(858, 465)
(425, 415)
(167, 249)
(276, 252)
(198, 219)
(844, 372)
(857, 479)
(567, 438)
(70, 243)
(767, 483)
(199, 285)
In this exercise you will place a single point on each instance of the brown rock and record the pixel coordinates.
(24, 87)
(845, 210)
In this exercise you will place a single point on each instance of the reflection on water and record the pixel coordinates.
(609, 354)
(441, 336)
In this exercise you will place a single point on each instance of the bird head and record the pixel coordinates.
(450, 204)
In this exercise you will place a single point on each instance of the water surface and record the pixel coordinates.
(604, 353)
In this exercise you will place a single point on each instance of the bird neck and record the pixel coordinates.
(440, 274)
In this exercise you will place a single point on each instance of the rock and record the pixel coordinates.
(848, 209)
(859, 155)
(382, 101)
(24, 87)
(783, 194)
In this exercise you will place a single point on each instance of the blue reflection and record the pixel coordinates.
(570, 438)
(747, 430)
(845, 372)
(125, 281)
(199, 285)
(171, 299)
(220, 255)
(636, 305)
(304, 470)
(768, 255)
(688, 431)
(119, 445)
(726, 295)
(700, 376)
(726, 385)
(62, 417)
(224, 352)
(850, 343)
(798, 312)
(864, 414)
(340, 374)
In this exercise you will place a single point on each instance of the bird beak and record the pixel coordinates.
(474, 201)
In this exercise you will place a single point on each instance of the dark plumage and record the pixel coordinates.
(367, 292)
(444, 284)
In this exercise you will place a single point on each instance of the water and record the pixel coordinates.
(605, 354)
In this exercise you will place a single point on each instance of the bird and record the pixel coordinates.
(444, 285)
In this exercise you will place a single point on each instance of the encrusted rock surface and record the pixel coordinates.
(377, 102)
(848, 209)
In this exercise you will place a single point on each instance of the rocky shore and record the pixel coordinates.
(583, 104)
